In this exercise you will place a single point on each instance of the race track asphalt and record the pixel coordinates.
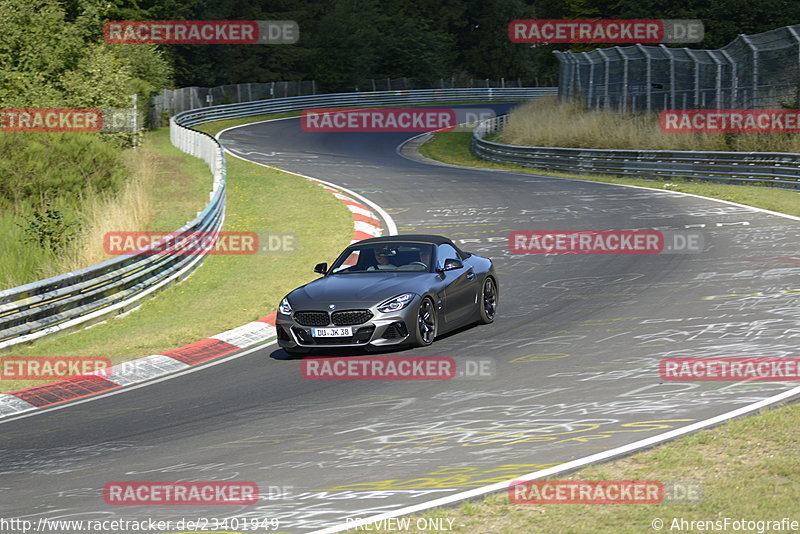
(575, 350)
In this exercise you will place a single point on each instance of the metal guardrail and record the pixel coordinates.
(115, 286)
(761, 168)
(372, 98)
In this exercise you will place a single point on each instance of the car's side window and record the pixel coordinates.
(445, 252)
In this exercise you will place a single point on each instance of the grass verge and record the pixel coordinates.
(745, 469)
(553, 122)
(454, 148)
(226, 291)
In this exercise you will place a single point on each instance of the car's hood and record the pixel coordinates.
(365, 289)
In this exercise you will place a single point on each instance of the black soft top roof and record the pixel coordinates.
(413, 238)
(417, 238)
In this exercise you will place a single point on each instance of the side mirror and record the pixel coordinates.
(451, 265)
(321, 268)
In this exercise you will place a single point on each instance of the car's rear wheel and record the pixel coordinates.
(488, 303)
(425, 331)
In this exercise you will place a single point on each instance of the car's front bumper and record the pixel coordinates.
(383, 329)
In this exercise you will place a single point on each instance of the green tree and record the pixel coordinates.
(52, 54)
(487, 50)
(345, 44)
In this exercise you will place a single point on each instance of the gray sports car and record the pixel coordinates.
(395, 290)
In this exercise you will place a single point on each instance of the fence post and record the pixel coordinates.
(607, 59)
(567, 75)
(749, 43)
(719, 78)
(648, 77)
(624, 103)
(796, 38)
(671, 58)
(690, 53)
(734, 81)
(562, 69)
(590, 90)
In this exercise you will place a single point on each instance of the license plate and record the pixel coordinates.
(332, 332)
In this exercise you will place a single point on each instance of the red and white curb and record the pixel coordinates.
(366, 224)
(139, 370)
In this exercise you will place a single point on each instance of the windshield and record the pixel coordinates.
(402, 257)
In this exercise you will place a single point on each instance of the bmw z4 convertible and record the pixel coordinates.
(394, 290)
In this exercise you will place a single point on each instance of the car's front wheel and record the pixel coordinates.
(425, 331)
(488, 304)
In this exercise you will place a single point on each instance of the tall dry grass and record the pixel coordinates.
(551, 122)
(129, 210)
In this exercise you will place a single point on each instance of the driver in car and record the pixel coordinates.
(383, 259)
(425, 256)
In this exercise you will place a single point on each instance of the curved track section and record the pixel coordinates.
(576, 348)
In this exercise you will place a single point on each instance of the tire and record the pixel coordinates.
(488, 301)
(426, 324)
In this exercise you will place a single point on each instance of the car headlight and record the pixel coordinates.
(285, 308)
(396, 303)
